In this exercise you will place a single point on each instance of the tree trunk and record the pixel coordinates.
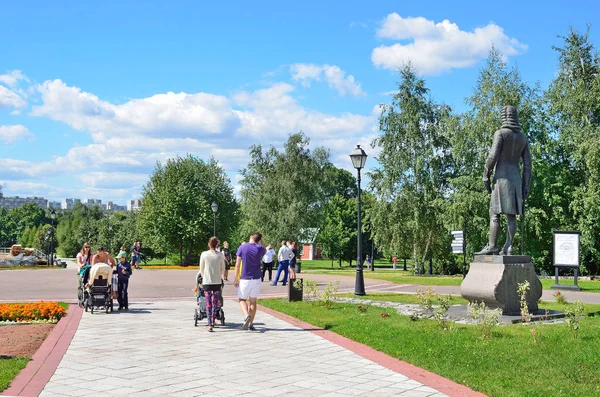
(180, 254)
(427, 246)
(415, 259)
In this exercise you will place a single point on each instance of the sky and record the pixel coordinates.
(94, 94)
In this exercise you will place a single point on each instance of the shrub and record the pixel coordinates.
(573, 316)
(329, 292)
(560, 298)
(23, 312)
(425, 298)
(522, 291)
(485, 319)
(311, 289)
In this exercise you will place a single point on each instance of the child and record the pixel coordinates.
(123, 271)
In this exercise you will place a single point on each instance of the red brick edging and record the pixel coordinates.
(425, 377)
(33, 378)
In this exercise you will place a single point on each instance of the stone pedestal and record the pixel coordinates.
(494, 279)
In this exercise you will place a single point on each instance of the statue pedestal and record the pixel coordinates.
(494, 279)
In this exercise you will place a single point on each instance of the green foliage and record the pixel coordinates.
(485, 319)
(311, 290)
(522, 289)
(412, 181)
(338, 226)
(572, 145)
(329, 292)
(283, 192)
(574, 316)
(177, 214)
(559, 297)
(76, 227)
(427, 298)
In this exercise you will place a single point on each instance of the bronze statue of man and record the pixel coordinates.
(510, 188)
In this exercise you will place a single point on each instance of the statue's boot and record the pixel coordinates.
(489, 249)
(507, 250)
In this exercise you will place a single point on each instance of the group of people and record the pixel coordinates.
(102, 264)
(286, 262)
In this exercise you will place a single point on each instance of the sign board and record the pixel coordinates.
(566, 248)
(457, 241)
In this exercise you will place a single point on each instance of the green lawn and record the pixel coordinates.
(9, 368)
(510, 364)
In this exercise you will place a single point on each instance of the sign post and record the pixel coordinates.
(566, 254)
(458, 246)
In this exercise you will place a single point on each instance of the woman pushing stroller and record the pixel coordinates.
(212, 268)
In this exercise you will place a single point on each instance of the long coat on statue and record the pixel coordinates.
(509, 146)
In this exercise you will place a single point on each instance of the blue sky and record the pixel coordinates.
(93, 94)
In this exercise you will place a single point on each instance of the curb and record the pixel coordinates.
(421, 375)
(33, 378)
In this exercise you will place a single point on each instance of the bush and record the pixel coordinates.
(486, 319)
(23, 312)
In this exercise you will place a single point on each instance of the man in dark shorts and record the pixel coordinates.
(248, 284)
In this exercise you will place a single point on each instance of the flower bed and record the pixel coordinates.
(31, 312)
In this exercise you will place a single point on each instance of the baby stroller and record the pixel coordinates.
(99, 296)
(200, 312)
(82, 293)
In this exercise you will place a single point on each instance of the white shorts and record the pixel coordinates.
(249, 288)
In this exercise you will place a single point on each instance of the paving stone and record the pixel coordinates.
(155, 350)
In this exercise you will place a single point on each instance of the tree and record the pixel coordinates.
(338, 227)
(176, 213)
(572, 150)
(415, 165)
(283, 193)
(78, 226)
(27, 215)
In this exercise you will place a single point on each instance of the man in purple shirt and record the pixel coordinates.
(248, 285)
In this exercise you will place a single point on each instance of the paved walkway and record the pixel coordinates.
(155, 350)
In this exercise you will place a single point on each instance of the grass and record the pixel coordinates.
(9, 368)
(510, 364)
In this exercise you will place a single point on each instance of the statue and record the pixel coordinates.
(510, 188)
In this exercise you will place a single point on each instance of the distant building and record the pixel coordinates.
(16, 202)
(110, 206)
(55, 205)
(90, 202)
(134, 205)
(69, 203)
(309, 249)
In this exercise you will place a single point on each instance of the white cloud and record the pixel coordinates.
(12, 78)
(436, 47)
(129, 138)
(173, 114)
(272, 114)
(11, 133)
(11, 99)
(334, 76)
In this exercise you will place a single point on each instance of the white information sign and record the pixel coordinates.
(566, 249)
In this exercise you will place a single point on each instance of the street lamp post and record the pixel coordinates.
(215, 208)
(359, 158)
(52, 216)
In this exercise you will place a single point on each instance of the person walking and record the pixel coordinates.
(136, 250)
(212, 269)
(123, 272)
(368, 262)
(283, 257)
(294, 248)
(227, 257)
(267, 262)
(248, 283)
